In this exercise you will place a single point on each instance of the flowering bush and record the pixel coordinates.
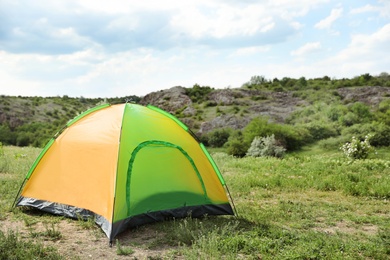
(357, 149)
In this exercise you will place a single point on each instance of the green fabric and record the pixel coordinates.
(168, 115)
(47, 146)
(159, 171)
(213, 164)
(188, 197)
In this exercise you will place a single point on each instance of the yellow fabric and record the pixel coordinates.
(85, 153)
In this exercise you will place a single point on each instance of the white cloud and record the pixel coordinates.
(328, 21)
(251, 50)
(365, 53)
(365, 9)
(308, 48)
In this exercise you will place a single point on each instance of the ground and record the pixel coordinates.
(77, 242)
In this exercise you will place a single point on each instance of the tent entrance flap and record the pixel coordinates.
(163, 168)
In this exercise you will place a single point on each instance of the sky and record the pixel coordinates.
(118, 48)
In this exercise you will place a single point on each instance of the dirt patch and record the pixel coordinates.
(348, 228)
(75, 242)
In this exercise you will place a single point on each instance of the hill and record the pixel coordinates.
(296, 102)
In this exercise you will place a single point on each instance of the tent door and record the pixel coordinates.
(162, 176)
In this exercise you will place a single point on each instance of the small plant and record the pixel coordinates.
(356, 149)
(52, 232)
(120, 250)
(266, 147)
(86, 222)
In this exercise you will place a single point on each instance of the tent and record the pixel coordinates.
(125, 165)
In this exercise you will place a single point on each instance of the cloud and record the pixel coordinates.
(66, 27)
(365, 53)
(328, 21)
(308, 48)
(364, 9)
(383, 9)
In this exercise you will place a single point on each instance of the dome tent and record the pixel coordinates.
(125, 165)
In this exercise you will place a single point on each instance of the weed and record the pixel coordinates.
(121, 250)
(51, 232)
(86, 223)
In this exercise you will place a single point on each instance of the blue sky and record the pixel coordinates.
(117, 48)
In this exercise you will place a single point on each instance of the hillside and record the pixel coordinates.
(33, 120)
(235, 108)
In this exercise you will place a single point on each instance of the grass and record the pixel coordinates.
(121, 250)
(12, 246)
(309, 205)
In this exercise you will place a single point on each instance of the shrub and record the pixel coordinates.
(236, 145)
(290, 137)
(379, 132)
(357, 149)
(23, 139)
(320, 130)
(333, 143)
(349, 119)
(266, 147)
(218, 137)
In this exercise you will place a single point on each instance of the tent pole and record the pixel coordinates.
(230, 196)
(17, 195)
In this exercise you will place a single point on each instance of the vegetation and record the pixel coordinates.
(312, 204)
(13, 247)
(356, 149)
(266, 146)
(312, 188)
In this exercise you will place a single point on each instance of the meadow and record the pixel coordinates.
(312, 204)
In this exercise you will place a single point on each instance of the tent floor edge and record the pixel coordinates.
(67, 211)
(162, 215)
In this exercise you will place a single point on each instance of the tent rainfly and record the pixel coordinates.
(125, 165)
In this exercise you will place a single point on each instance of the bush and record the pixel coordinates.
(379, 132)
(357, 149)
(266, 147)
(218, 137)
(333, 143)
(236, 145)
(320, 130)
(290, 137)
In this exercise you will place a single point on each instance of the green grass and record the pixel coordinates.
(120, 250)
(310, 205)
(12, 246)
